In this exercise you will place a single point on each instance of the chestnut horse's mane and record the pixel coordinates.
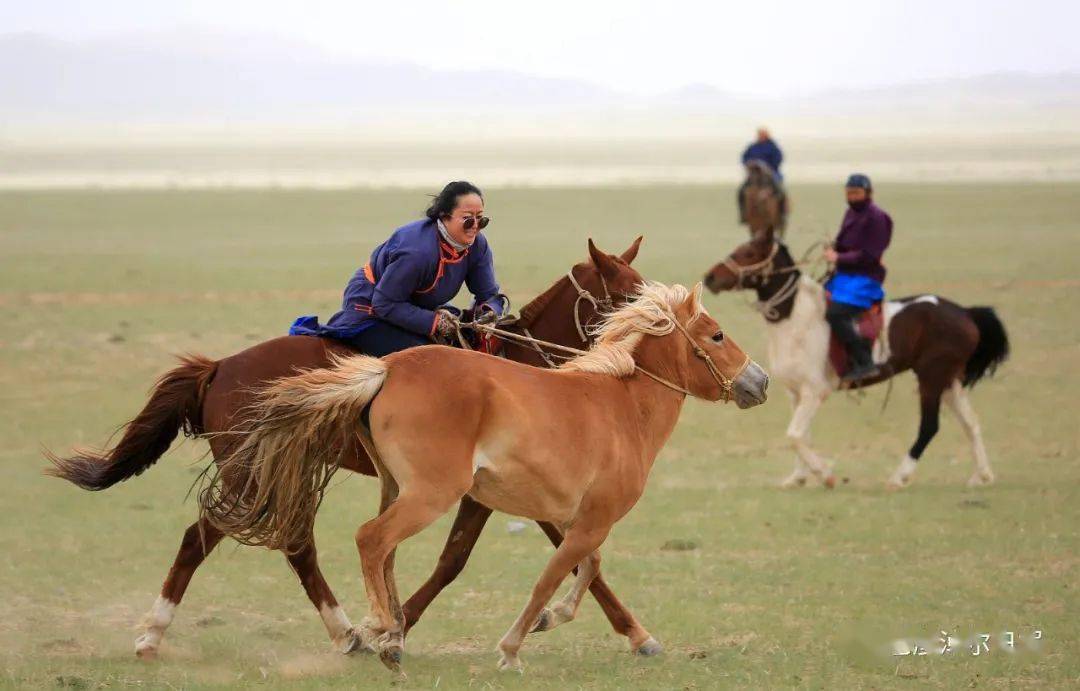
(650, 311)
(530, 312)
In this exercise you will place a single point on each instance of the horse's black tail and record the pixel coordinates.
(175, 404)
(992, 349)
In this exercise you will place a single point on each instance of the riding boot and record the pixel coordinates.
(842, 318)
(862, 362)
(740, 199)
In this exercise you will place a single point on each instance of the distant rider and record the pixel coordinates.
(763, 149)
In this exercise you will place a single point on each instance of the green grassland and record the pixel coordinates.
(782, 589)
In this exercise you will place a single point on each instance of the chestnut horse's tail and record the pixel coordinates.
(267, 491)
(175, 404)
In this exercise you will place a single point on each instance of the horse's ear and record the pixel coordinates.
(608, 267)
(629, 255)
(693, 300)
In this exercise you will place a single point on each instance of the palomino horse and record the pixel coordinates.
(572, 446)
(763, 202)
(206, 397)
(950, 348)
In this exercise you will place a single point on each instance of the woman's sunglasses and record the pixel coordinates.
(480, 222)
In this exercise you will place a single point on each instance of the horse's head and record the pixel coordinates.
(595, 286)
(717, 367)
(758, 173)
(602, 283)
(609, 275)
(750, 265)
(665, 333)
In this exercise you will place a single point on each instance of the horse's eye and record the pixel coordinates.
(718, 337)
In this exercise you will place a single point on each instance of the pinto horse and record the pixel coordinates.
(206, 398)
(572, 446)
(949, 347)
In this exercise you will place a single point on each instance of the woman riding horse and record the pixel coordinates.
(399, 299)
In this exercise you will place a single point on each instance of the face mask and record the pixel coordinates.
(859, 206)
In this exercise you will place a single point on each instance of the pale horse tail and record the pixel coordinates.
(268, 490)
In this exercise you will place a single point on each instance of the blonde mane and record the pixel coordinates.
(651, 311)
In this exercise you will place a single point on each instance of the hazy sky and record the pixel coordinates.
(768, 47)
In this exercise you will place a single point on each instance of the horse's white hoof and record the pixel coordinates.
(649, 648)
(391, 650)
(145, 648)
(511, 663)
(350, 642)
(981, 479)
(901, 477)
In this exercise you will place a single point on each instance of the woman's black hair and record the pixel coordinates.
(444, 203)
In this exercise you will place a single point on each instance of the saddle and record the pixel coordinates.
(870, 325)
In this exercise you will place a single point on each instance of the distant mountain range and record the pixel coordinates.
(183, 77)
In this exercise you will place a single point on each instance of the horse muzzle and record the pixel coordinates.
(750, 386)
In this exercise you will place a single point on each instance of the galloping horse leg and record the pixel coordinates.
(305, 563)
(956, 397)
(199, 540)
(415, 509)
(389, 493)
(798, 432)
(471, 518)
(621, 618)
(566, 609)
(931, 386)
(581, 541)
(801, 472)
(468, 524)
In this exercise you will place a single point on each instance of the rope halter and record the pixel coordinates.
(727, 384)
(599, 304)
(763, 268)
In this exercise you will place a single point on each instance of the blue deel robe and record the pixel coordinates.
(408, 277)
(766, 151)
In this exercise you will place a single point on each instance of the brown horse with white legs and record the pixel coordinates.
(950, 348)
(572, 446)
(204, 397)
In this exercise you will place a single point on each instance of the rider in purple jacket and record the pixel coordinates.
(399, 298)
(864, 235)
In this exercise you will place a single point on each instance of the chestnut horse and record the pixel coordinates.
(949, 347)
(572, 446)
(204, 397)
